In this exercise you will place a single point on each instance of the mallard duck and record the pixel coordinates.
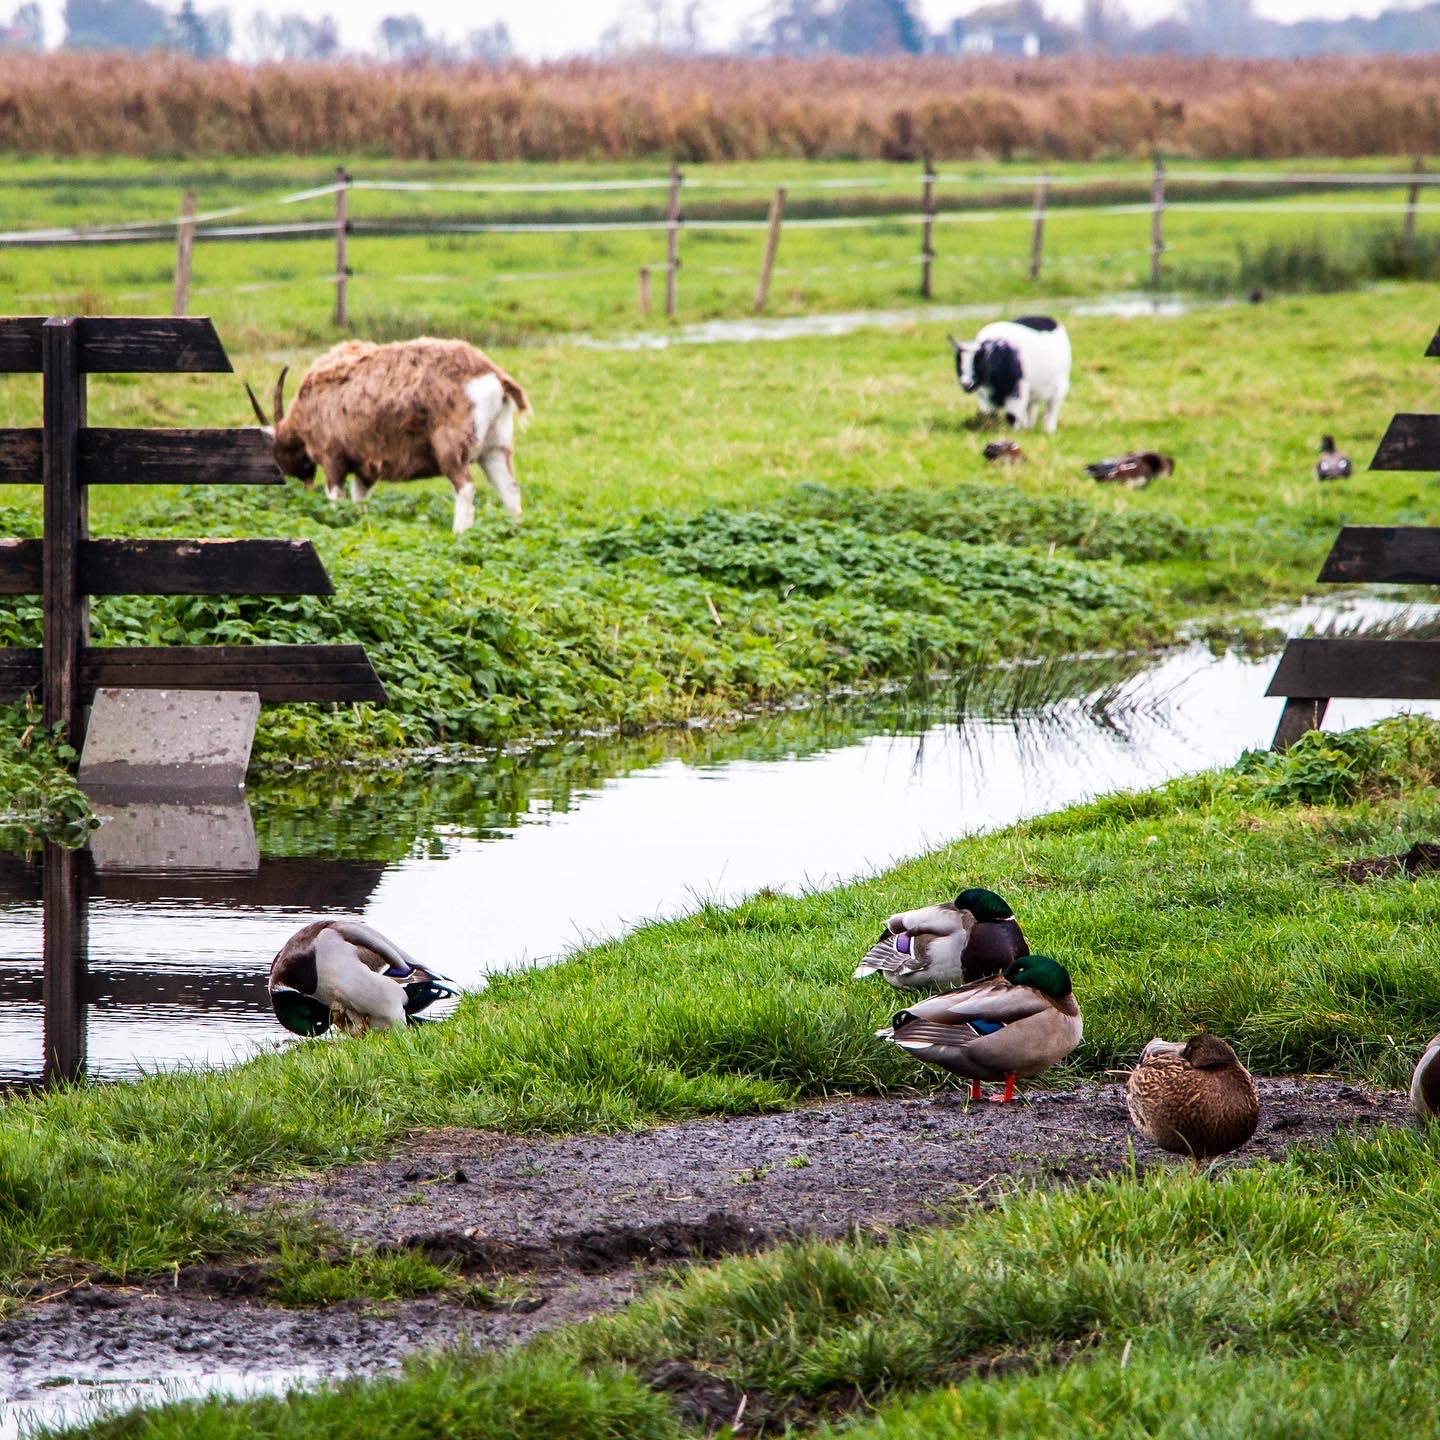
(344, 973)
(949, 944)
(1137, 469)
(1425, 1084)
(1012, 1025)
(1192, 1097)
(1005, 451)
(1333, 464)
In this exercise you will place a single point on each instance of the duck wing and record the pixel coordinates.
(422, 985)
(382, 953)
(994, 1002)
(1118, 467)
(348, 981)
(927, 948)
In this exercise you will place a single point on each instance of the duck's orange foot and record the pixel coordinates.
(976, 1092)
(1009, 1093)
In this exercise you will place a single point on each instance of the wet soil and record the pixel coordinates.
(578, 1221)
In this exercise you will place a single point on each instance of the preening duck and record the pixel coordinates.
(1333, 464)
(1425, 1084)
(949, 944)
(346, 974)
(1013, 1025)
(1192, 1097)
(1137, 469)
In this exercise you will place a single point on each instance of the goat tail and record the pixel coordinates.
(516, 394)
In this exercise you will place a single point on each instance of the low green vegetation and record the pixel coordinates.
(1213, 902)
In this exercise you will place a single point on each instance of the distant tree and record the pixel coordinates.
(852, 27)
(114, 25)
(491, 45)
(293, 37)
(403, 37)
(26, 30)
(1223, 27)
(672, 25)
(1105, 25)
(202, 37)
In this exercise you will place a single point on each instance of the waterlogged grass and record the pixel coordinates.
(1290, 1301)
(1211, 902)
(528, 1396)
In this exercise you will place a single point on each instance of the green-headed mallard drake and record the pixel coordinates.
(346, 974)
(1333, 464)
(1011, 1025)
(1192, 1097)
(949, 944)
(1425, 1084)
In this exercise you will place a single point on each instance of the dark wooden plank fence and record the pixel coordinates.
(66, 567)
(1313, 672)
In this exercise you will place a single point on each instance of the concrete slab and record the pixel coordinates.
(169, 740)
(156, 835)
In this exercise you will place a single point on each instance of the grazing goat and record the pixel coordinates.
(1017, 367)
(405, 411)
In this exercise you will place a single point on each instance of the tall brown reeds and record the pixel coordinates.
(723, 109)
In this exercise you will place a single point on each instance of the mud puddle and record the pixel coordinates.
(580, 1221)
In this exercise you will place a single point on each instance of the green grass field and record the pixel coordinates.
(504, 290)
(712, 527)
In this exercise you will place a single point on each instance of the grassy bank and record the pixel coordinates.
(1209, 902)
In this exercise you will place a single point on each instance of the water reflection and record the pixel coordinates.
(512, 859)
(133, 965)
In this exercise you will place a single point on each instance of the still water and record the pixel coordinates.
(512, 860)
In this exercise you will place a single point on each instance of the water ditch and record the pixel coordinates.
(486, 864)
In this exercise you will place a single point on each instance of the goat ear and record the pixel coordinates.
(280, 395)
(954, 344)
(255, 406)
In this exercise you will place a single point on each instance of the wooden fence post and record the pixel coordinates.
(1157, 221)
(66, 926)
(644, 276)
(1412, 202)
(772, 244)
(184, 247)
(1037, 233)
(672, 241)
(927, 227)
(64, 623)
(342, 258)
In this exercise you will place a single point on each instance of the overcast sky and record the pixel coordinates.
(544, 28)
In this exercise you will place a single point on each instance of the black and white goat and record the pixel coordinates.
(1017, 368)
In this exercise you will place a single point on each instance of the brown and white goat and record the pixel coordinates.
(406, 411)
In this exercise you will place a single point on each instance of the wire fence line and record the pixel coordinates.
(216, 225)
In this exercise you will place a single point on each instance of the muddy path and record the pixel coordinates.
(575, 1222)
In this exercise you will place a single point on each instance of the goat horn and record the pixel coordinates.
(954, 343)
(255, 406)
(280, 395)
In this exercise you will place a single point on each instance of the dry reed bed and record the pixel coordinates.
(1074, 108)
